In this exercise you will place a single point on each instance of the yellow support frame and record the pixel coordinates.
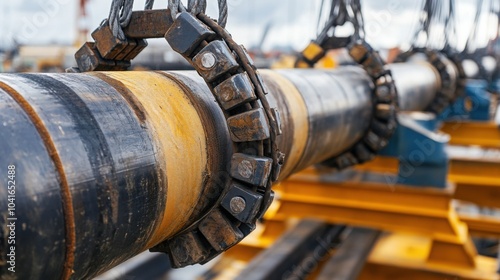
(476, 181)
(393, 208)
(485, 134)
(426, 238)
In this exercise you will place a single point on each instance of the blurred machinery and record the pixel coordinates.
(57, 58)
(81, 23)
(378, 171)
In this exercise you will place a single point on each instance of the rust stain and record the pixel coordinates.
(67, 199)
(249, 126)
(134, 103)
(219, 146)
(114, 200)
(180, 137)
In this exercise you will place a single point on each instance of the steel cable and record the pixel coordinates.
(196, 7)
(120, 15)
(149, 4)
(121, 12)
(343, 11)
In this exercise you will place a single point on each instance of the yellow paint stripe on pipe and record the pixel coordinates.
(180, 135)
(300, 119)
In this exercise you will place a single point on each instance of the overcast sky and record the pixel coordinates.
(388, 22)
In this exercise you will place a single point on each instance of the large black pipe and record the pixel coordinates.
(108, 165)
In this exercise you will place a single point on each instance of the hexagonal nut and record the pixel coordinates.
(235, 91)
(186, 34)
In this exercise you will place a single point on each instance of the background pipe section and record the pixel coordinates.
(110, 164)
(417, 84)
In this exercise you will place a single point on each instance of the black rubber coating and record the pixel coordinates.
(39, 229)
(109, 160)
(339, 108)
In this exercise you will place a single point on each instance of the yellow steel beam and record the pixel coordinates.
(476, 181)
(473, 133)
(308, 198)
(429, 240)
(479, 191)
(460, 167)
(275, 226)
(396, 255)
(482, 226)
(400, 256)
(378, 164)
(394, 208)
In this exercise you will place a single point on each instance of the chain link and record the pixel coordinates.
(121, 12)
(384, 96)
(256, 162)
(196, 7)
(450, 88)
(240, 92)
(385, 108)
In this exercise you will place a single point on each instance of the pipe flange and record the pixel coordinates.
(385, 107)
(462, 76)
(448, 73)
(384, 99)
(253, 126)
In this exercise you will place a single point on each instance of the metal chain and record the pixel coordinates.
(384, 97)
(450, 88)
(357, 16)
(440, 13)
(254, 126)
(385, 107)
(343, 11)
(450, 46)
(149, 4)
(120, 14)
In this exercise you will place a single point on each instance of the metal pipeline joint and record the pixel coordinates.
(450, 71)
(109, 164)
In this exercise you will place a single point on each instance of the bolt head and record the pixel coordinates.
(245, 168)
(237, 204)
(208, 60)
(227, 96)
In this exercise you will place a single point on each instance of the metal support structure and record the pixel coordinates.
(464, 132)
(420, 150)
(296, 253)
(474, 105)
(475, 177)
(114, 163)
(349, 259)
(393, 208)
(412, 248)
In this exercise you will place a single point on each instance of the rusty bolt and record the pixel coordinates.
(227, 95)
(237, 204)
(245, 169)
(208, 60)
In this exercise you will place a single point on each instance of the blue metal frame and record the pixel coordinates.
(475, 105)
(420, 150)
